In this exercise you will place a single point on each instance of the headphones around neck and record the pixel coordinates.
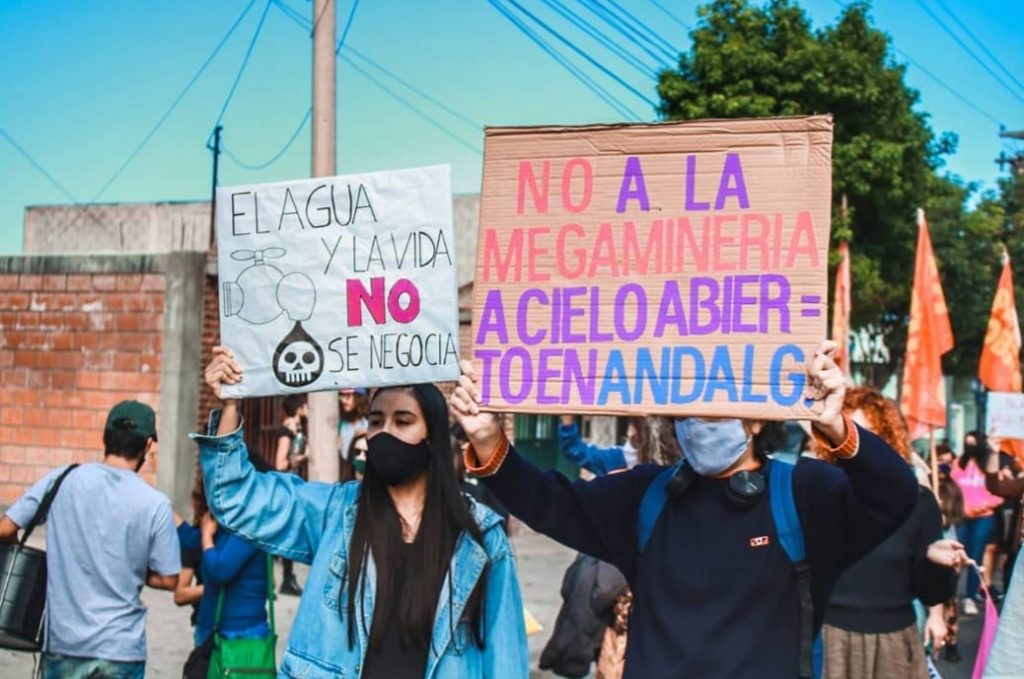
(744, 489)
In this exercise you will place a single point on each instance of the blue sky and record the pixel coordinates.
(84, 83)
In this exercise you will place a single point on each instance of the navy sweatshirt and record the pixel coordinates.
(874, 595)
(707, 602)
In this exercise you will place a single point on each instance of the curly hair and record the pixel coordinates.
(883, 416)
(656, 440)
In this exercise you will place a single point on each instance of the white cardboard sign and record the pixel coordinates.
(336, 282)
(1005, 415)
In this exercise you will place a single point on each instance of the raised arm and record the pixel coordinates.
(596, 459)
(595, 517)
(1001, 482)
(280, 513)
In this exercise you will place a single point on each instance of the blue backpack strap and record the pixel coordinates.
(791, 536)
(787, 522)
(651, 505)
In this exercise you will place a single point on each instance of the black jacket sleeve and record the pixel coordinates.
(846, 510)
(932, 583)
(597, 517)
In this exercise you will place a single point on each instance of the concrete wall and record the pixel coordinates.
(119, 227)
(79, 334)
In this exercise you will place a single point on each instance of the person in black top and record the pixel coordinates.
(714, 594)
(291, 457)
(870, 627)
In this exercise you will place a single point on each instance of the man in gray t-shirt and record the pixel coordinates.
(109, 534)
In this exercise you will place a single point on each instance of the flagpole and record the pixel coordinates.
(933, 461)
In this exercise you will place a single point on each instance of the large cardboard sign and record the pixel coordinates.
(1005, 415)
(339, 282)
(665, 268)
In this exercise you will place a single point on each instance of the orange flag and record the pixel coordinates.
(1000, 355)
(841, 310)
(923, 396)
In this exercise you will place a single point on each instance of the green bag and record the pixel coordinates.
(245, 657)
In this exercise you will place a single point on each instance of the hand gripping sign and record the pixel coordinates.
(665, 268)
(339, 282)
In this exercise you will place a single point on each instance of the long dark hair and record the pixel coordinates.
(378, 529)
(978, 452)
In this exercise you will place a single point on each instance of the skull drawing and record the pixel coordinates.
(298, 360)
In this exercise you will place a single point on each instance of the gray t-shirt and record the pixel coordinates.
(107, 529)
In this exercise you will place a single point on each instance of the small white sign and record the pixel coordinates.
(337, 282)
(1005, 412)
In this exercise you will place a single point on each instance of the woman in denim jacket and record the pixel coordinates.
(409, 578)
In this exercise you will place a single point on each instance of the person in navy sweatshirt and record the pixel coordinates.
(714, 593)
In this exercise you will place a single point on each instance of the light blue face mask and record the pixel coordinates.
(711, 447)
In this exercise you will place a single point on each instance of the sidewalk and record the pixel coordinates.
(541, 565)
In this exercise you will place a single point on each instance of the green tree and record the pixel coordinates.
(748, 61)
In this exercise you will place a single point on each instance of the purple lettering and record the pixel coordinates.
(671, 310)
(544, 373)
(709, 304)
(739, 300)
(572, 374)
(492, 319)
(633, 174)
(779, 303)
(732, 170)
(640, 323)
(692, 205)
(595, 316)
(570, 312)
(522, 314)
(505, 375)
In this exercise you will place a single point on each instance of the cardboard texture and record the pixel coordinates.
(338, 282)
(676, 268)
(1005, 415)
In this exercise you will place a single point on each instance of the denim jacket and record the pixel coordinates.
(313, 523)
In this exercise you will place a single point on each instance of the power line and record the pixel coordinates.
(970, 52)
(42, 170)
(593, 62)
(348, 25)
(341, 43)
(302, 22)
(471, 123)
(174, 104)
(245, 62)
(276, 156)
(980, 44)
(672, 16)
(627, 32)
(936, 78)
(645, 31)
(397, 97)
(294, 15)
(597, 35)
(585, 79)
(53, 180)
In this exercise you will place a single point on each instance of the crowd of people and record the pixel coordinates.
(701, 553)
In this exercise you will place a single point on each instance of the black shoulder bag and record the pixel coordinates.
(23, 583)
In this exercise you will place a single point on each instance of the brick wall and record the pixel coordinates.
(71, 346)
(211, 337)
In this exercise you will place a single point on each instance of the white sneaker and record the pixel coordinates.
(970, 608)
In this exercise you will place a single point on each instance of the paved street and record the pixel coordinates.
(541, 565)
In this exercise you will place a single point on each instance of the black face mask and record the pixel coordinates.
(396, 461)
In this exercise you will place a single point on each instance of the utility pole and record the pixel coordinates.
(323, 406)
(215, 148)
